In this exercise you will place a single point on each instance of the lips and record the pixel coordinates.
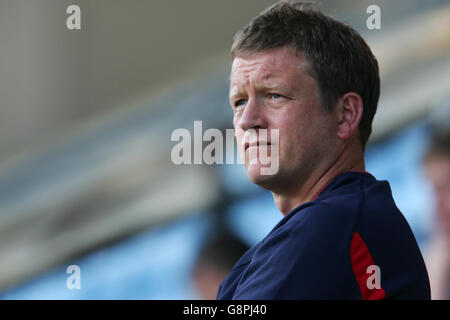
(255, 144)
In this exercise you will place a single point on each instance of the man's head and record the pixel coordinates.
(303, 73)
(437, 166)
(215, 262)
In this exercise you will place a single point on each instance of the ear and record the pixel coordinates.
(350, 113)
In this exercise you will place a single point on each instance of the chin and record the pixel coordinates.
(255, 176)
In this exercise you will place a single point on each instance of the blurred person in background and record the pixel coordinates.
(215, 261)
(437, 168)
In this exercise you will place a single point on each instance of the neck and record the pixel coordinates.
(350, 159)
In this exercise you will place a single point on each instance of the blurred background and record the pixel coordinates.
(86, 118)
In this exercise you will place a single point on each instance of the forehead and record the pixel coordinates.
(276, 64)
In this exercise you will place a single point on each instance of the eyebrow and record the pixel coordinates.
(233, 94)
(271, 85)
(265, 85)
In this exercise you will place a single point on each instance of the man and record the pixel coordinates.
(437, 167)
(315, 82)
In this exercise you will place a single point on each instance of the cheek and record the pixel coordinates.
(294, 130)
(239, 135)
(238, 138)
(291, 140)
(235, 125)
(235, 121)
(301, 135)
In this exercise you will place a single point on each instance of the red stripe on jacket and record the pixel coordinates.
(361, 260)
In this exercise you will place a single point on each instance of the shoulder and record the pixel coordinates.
(335, 213)
(300, 258)
(318, 227)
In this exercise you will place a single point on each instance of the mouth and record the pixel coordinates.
(255, 144)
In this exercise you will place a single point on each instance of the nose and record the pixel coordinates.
(253, 116)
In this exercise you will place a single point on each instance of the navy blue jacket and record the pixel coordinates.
(350, 242)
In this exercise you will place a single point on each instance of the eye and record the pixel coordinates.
(275, 96)
(239, 103)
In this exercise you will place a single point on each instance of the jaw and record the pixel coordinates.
(255, 176)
